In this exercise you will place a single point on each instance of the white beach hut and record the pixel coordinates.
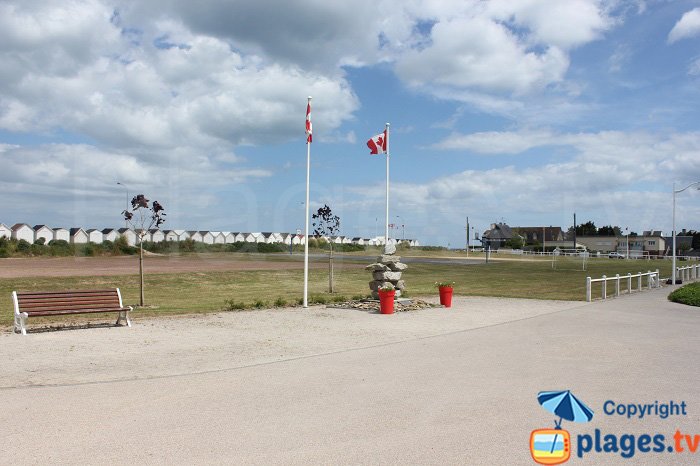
(95, 236)
(61, 234)
(78, 236)
(22, 231)
(43, 232)
(5, 231)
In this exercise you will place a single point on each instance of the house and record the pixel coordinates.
(110, 234)
(95, 236)
(229, 237)
(194, 236)
(43, 232)
(347, 240)
(61, 234)
(78, 236)
(170, 235)
(540, 234)
(129, 234)
(156, 235)
(182, 235)
(254, 238)
(240, 237)
(143, 235)
(5, 231)
(22, 231)
(651, 242)
(207, 237)
(268, 237)
(497, 236)
(219, 238)
(357, 240)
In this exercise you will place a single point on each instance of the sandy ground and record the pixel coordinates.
(157, 347)
(125, 265)
(330, 386)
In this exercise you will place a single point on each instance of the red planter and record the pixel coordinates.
(386, 301)
(446, 296)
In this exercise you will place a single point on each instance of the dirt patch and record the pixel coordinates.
(125, 265)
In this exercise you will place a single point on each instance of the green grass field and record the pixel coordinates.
(195, 292)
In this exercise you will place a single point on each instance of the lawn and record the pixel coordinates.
(194, 292)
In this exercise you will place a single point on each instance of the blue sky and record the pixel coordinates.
(523, 112)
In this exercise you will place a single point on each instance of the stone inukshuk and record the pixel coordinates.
(387, 269)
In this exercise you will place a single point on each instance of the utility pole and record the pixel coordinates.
(574, 231)
(467, 236)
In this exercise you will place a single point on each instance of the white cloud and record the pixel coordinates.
(686, 27)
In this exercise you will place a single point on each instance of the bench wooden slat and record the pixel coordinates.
(63, 293)
(74, 311)
(62, 301)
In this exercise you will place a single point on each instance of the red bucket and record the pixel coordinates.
(386, 301)
(446, 296)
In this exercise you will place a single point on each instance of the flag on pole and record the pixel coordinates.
(308, 123)
(377, 144)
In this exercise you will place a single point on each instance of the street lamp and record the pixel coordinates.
(627, 232)
(691, 185)
(403, 229)
(126, 223)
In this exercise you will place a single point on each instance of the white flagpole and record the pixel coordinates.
(306, 230)
(386, 229)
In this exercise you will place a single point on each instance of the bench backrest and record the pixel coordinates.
(57, 301)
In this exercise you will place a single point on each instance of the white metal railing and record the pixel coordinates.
(688, 272)
(593, 255)
(653, 281)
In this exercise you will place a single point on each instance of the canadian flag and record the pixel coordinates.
(308, 123)
(377, 145)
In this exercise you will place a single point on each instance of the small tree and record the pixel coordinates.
(146, 217)
(327, 224)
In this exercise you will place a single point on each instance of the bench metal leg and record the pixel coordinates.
(124, 315)
(21, 323)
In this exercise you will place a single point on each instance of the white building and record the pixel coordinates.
(42, 231)
(219, 237)
(182, 235)
(143, 235)
(240, 237)
(207, 237)
(95, 236)
(22, 231)
(129, 234)
(156, 235)
(171, 235)
(110, 234)
(61, 234)
(229, 237)
(5, 231)
(194, 236)
(78, 236)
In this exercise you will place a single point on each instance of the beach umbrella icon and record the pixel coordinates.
(565, 405)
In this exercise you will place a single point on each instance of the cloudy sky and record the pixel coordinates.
(523, 112)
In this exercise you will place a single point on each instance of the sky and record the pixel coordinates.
(519, 112)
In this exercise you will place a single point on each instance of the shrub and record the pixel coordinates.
(280, 302)
(687, 294)
(320, 299)
(233, 305)
(40, 241)
(23, 246)
(259, 304)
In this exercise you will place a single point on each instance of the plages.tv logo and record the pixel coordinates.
(553, 446)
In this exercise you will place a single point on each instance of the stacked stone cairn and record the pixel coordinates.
(387, 269)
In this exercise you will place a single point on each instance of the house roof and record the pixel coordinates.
(17, 226)
(153, 230)
(60, 228)
(499, 231)
(107, 231)
(39, 227)
(91, 230)
(125, 230)
(75, 230)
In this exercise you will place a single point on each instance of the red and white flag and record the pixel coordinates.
(308, 123)
(377, 145)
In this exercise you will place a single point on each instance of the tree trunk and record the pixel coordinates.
(330, 268)
(141, 269)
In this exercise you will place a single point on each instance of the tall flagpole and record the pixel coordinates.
(386, 229)
(306, 230)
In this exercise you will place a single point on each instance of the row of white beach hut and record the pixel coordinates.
(30, 234)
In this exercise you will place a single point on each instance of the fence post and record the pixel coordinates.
(605, 287)
(649, 279)
(617, 285)
(639, 282)
(588, 289)
(658, 278)
(629, 283)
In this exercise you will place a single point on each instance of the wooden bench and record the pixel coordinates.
(57, 303)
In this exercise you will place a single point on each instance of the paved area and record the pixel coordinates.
(437, 386)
